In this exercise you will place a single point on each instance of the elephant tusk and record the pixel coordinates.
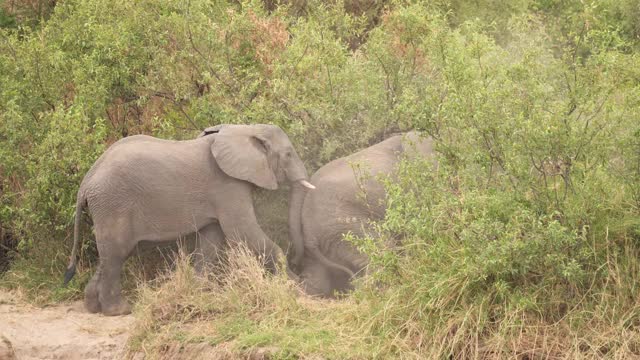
(307, 184)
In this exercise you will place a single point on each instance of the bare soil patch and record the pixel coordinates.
(59, 332)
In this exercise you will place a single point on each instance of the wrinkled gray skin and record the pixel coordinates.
(319, 219)
(144, 189)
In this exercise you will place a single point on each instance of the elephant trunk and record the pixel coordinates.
(297, 175)
(295, 170)
(296, 200)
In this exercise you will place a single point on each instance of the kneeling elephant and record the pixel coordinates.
(319, 219)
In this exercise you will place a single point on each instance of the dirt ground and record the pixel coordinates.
(58, 332)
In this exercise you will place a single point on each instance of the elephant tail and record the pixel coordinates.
(330, 263)
(71, 269)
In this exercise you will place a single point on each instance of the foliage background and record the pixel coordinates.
(527, 237)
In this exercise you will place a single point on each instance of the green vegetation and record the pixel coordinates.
(525, 242)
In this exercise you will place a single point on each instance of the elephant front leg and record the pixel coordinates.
(209, 245)
(243, 226)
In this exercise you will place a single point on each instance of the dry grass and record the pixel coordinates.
(242, 312)
(239, 310)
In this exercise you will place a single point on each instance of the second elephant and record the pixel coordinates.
(348, 197)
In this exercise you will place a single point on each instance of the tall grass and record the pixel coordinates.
(241, 309)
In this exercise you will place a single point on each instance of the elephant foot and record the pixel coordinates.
(293, 276)
(92, 304)
(122, 308)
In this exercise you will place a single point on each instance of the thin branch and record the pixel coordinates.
(41, 84)
(227, 56)
(333, 100)
(188, 117)
(13, 51)
(539, 168)
(327, 69)
(8, 249)
(178, 104)
(304, 53)
(587, 124)
(386, 81)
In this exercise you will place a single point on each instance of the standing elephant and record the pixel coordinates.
(348, 197)
(144, 189)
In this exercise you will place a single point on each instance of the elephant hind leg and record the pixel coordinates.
(340, 282)
(317, 253)
(109, 288)
(91, 295)
(316, 279)
(322, 281)
(114, 247)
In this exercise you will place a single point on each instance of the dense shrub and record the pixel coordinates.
(520, 223)
(524, 240)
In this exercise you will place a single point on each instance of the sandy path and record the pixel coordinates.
(60, 332)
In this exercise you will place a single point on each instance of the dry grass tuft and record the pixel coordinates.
(242, 311)
(239, 310)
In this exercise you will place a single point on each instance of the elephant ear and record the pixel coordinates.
(211, 130)
(244, 157)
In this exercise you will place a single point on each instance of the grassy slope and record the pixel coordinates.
(241, 311)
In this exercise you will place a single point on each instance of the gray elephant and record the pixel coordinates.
(149, 190)
(348, 198)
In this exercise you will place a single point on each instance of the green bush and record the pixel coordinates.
(519, 222)
(525, 239)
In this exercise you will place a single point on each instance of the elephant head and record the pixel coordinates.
(260, 154)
